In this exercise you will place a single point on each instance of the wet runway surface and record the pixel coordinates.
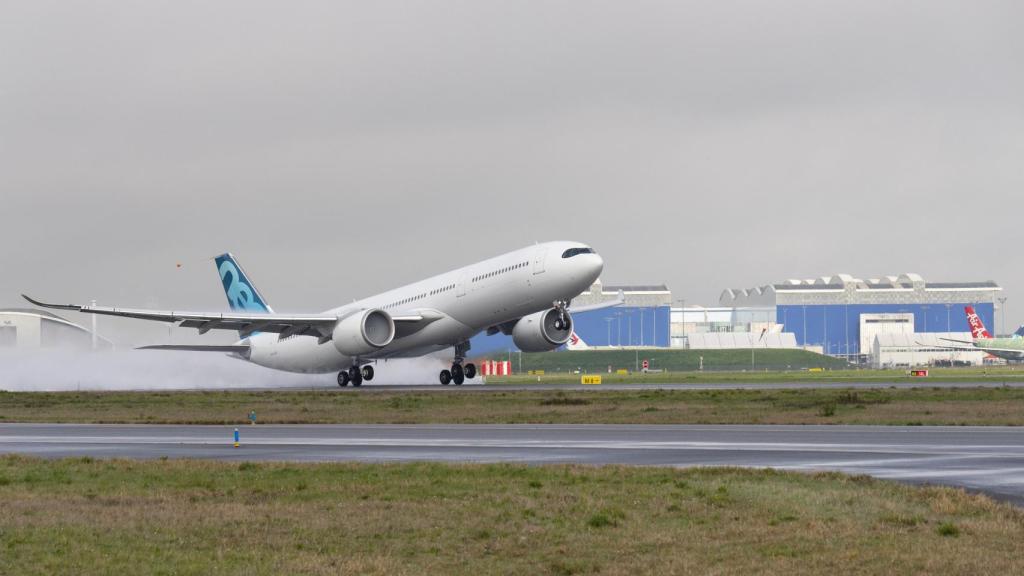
(685, 386)
(986, 459)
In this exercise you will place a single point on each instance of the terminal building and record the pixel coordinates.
(27, 328)
(841, 315)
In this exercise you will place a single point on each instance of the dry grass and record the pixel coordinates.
(931, 406)
(199, 517)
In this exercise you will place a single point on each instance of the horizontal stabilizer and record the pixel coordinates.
(241, 349)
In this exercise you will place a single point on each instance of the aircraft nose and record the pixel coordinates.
(595, 266)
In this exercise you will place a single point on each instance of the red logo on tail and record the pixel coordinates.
(978, 329)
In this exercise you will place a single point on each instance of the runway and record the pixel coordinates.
(686, 386)
(985, 459)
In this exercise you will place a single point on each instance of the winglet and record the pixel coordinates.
(55, 306)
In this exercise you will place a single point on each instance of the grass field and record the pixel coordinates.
(87, 516)
(917, 406)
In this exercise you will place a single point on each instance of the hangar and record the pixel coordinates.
(841, 314)
(28, 328)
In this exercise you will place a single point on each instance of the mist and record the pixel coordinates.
(56, 370)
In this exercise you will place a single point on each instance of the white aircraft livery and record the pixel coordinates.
(526, 294)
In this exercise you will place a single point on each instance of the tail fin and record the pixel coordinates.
(978, 329)
(242, 294)
(576, 343)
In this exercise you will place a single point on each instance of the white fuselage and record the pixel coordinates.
(464, 302)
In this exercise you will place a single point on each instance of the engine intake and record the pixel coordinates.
(537, 332)
(364, 332)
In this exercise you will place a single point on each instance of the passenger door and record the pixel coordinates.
(538, 260)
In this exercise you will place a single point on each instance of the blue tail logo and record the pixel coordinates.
(242, 295)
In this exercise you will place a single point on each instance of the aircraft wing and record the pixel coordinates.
(962, 348)
(506, 328)
(998, 351)
(244, 323)
(972, 348)
(620, 299)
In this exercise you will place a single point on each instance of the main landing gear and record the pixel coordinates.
(355, 376)
(459, 372)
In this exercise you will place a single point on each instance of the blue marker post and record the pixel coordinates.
(236, 437)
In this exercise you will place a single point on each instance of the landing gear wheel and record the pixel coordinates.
(367, 372)
(343, 378)
(446, 377)
(470, 370)
(458, 375)
(355, 376)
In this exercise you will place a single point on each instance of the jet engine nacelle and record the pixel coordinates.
(537, 332)
(363, 332)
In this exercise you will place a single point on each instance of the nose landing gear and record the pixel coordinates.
(562, 322)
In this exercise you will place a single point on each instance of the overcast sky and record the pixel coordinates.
(343, 148)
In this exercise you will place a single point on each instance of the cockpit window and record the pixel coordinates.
(576, 252)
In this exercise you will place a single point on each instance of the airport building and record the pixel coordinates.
(27, 328)
(906, 350)
(725, 327)
(841, 315)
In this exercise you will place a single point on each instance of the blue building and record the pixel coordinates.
(643, 320)
(842, 314)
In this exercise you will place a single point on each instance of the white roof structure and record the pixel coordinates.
(731, 340)
(847, 289)
(922, 340)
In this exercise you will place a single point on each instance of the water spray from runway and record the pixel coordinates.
(69, 370)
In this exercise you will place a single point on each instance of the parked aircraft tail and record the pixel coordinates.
(242, 294)
(978, 329)
(576, 343)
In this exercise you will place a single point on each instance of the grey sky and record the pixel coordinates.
(341, 148)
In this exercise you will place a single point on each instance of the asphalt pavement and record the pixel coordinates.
(988, 459)
(478, 387)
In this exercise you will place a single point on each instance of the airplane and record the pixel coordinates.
(526, 293)
(1007, 348)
